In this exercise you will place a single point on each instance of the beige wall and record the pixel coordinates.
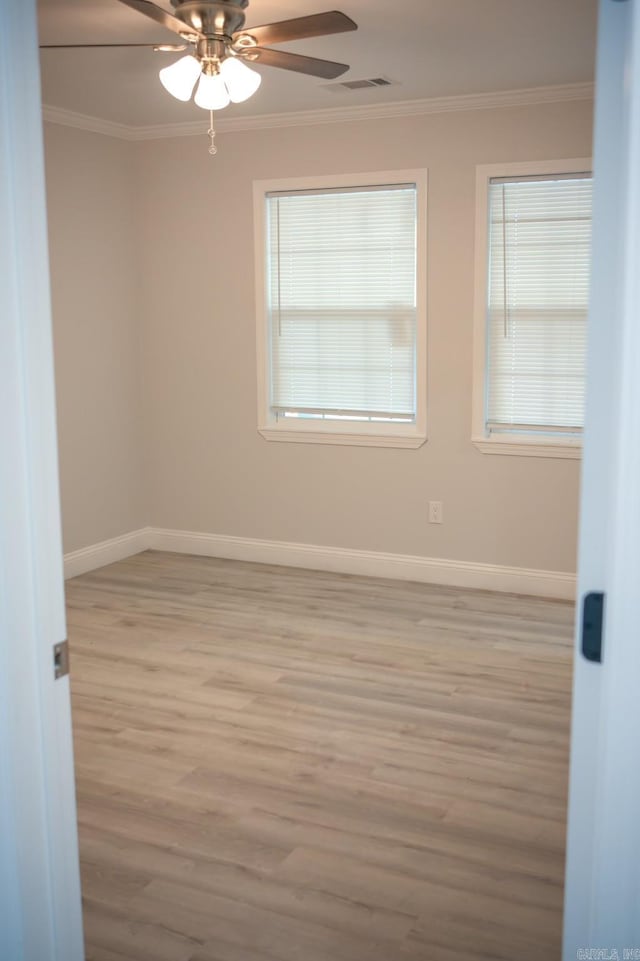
(207, 468)
(92, 220)
(154, 240)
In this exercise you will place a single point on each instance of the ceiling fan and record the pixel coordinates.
(220, 48)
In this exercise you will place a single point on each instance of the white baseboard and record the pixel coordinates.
(105, 552)
(428, 570)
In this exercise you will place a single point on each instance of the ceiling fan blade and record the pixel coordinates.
(317, 25)
(160, 47)
(326, 69)
(162, 17)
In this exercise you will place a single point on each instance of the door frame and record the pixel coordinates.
(40, 905)
(602, 888)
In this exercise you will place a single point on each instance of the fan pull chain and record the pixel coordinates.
(211, 132)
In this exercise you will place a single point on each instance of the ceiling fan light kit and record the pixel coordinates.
(220, 46)
(222, 81)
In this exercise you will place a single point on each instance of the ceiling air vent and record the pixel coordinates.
(359, 84)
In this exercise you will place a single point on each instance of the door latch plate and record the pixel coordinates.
(61, 659)
(592, 618)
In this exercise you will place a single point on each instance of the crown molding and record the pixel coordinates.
(301, 118)
(81, 121)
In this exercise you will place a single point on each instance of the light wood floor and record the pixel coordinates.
(279, 765)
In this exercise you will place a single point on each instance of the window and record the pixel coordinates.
(341, 280)
(532, 290)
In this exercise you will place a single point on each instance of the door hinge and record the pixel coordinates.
(592, 618)
(60, 659)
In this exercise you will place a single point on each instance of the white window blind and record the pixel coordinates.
(341, 300)
(539, 250)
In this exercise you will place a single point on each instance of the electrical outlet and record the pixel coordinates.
(435, 512)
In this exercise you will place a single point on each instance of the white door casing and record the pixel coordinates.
(602, 896)
(40, 910)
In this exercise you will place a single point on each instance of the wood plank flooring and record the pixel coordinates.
(280, 765)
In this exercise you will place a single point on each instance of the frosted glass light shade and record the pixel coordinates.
(241, 81)
(180, 78)
(211, 93)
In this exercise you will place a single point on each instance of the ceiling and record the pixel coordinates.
(428, 48)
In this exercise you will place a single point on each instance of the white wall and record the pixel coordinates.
(92, 213)
(183, 221)
(207, 467)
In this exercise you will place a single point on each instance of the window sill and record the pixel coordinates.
(342, 438)
(526, 447)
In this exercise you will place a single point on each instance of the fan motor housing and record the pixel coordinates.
(220, 18)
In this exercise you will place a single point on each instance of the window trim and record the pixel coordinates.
(354, 433)
(523, 445)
